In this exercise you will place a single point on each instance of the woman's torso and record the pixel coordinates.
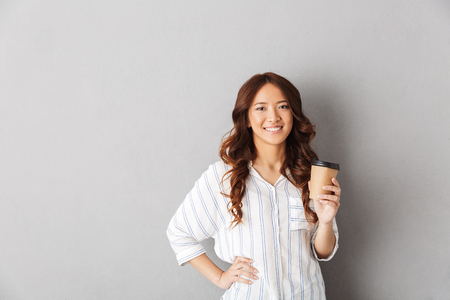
(274, 233)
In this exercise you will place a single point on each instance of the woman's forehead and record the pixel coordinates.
(269, 93)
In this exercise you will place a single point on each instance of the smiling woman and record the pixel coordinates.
(270, 117)
(255, 202)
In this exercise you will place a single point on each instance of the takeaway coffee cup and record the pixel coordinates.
(321, 174)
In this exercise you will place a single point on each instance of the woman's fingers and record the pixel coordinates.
(243, 280)
(243, 262)
(242, 259)
(335, 189)
(240, 271)
(334, 198)
(330, 202)
(335, 182)
(242, 268)
(329, 199)
(246, 274)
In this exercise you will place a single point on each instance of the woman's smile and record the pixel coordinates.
(273, 129)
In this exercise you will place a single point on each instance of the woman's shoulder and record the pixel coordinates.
(212, 178)
(219, 168)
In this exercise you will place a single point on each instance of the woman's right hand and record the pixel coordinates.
(241, 266)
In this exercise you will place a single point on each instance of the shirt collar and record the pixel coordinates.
(256, 174)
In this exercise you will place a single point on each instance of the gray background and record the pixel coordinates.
(110, 110)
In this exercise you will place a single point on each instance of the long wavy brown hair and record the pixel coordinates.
(237, 148)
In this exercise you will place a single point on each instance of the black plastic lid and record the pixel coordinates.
(321, 163)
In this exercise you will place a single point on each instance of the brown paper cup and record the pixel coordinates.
(321, 174)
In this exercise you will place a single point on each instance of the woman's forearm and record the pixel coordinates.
(207, 268)
(240, 271)
(325, 240)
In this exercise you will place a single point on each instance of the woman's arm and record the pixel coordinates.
(326, 209)
(241, 266)
(192, 222)
(325, 240)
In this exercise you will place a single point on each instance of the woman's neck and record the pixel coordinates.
(270, 156)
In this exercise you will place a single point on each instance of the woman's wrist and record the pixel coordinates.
(219, 279)
(323, 225)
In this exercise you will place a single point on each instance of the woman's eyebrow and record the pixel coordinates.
(266, 102)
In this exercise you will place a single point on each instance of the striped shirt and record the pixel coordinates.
(274, 234)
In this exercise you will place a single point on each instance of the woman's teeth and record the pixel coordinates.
(273, 129)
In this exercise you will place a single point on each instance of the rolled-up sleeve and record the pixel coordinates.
(336, 245)
(194, 221)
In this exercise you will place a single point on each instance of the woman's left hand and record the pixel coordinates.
(327, 205)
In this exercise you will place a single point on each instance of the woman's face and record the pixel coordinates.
(270, 116)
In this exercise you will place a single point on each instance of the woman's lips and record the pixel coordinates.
(273, 129)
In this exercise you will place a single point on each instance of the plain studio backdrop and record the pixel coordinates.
(111, 110)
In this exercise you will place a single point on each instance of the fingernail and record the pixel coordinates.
(255, 277)
(250, 282)
(255, 271)
(325, 187)
(251, 261)
(320, 196)
(322, 201)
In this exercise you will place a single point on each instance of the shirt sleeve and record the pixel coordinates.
(336, 245)
(195, 220)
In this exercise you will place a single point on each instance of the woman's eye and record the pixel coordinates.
(284, 106)
(260, 108)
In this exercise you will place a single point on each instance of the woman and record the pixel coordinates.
(255, 202)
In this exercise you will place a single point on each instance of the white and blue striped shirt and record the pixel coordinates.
(274, 234)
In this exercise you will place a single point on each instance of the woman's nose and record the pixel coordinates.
(273, 116)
